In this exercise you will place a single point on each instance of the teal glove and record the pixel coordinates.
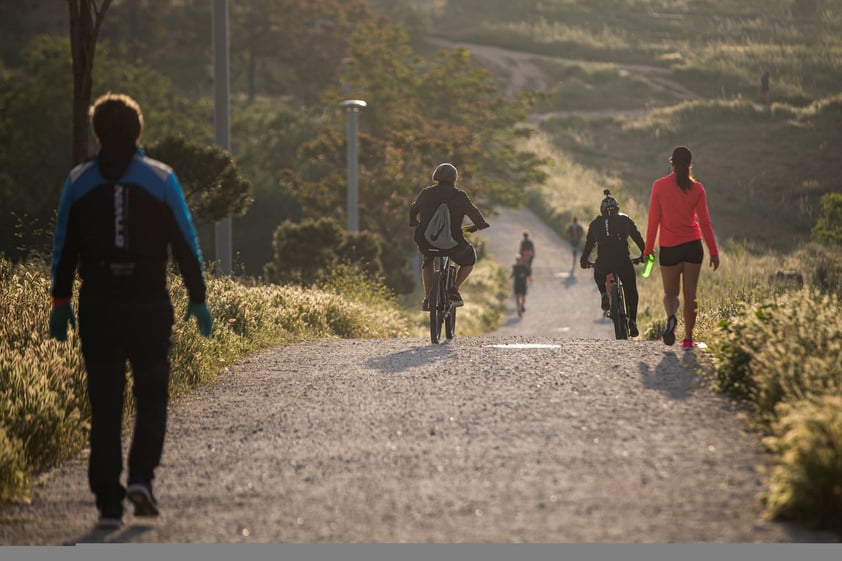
(59, 318)
(203, 317)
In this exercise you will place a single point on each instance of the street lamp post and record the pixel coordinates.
(223, 236)
(353, 107)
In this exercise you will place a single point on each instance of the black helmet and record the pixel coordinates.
(609, 206)
(446, 173)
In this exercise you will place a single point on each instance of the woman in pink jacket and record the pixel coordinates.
(678, 207)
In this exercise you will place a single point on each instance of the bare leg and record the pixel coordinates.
(461, 275)
(671, 277)
(691, 307)
(427, 277)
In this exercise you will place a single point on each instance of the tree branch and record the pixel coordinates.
(99, 14)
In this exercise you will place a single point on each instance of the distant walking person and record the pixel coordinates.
(527, 249)
(521, 274)
(678, 208)
(119, 217)
(764, 87)
(575, 232)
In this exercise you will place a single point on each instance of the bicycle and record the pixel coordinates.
(442, 310)
(617, 309)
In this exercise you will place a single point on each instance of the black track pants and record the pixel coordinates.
(137, 332)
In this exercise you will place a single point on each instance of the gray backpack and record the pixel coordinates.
(438, 233)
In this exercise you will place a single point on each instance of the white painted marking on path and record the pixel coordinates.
(525, 346)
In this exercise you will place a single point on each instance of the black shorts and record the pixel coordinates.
(690, 252)
(463, 256)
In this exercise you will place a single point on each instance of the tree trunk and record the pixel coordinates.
(85, 21)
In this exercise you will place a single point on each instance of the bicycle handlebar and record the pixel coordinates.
(471, 228)
(635, 261)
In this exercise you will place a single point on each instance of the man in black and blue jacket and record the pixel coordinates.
(120, 216)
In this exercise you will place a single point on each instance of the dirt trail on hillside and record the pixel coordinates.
(525, 74)
(531, 434)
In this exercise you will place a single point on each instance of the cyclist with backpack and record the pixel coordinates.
(610, 233)
(434, 237)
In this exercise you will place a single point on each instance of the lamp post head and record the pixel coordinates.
(353, 104)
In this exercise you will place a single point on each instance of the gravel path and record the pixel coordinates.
(546, 431)
(563, 300)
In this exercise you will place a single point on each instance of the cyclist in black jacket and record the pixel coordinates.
(460, 205)
(610, 233)
(119, 217)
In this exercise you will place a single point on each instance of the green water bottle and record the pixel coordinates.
(647, 268)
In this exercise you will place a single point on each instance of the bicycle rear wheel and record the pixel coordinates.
(436, 308)
(450, 313)
(618, 312)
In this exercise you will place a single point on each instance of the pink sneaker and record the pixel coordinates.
(687, 344)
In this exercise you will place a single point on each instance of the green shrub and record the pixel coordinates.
(784, 357)
(787, 349)
(822, 267)
(806, 481)
(44, 413)
(14, 479)
(829, 226)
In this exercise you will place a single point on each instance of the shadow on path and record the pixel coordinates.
(411, 358)
(675, 374)
(125, 534)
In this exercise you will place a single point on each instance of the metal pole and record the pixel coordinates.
(353, 172)
(353, 106)
(223, 237)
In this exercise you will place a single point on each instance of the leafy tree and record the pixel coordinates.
(212, 183)
(419, 114)
(291, 47)
(35, 137)
(266, 136)
(277, 47)
(828, 228)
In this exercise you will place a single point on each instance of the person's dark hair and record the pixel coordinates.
(117, 121)
(445, 173)
(681, 161)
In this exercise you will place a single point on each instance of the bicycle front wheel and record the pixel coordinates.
(436, 309)
(618, 312)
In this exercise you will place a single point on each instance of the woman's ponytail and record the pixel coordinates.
(681, 160)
